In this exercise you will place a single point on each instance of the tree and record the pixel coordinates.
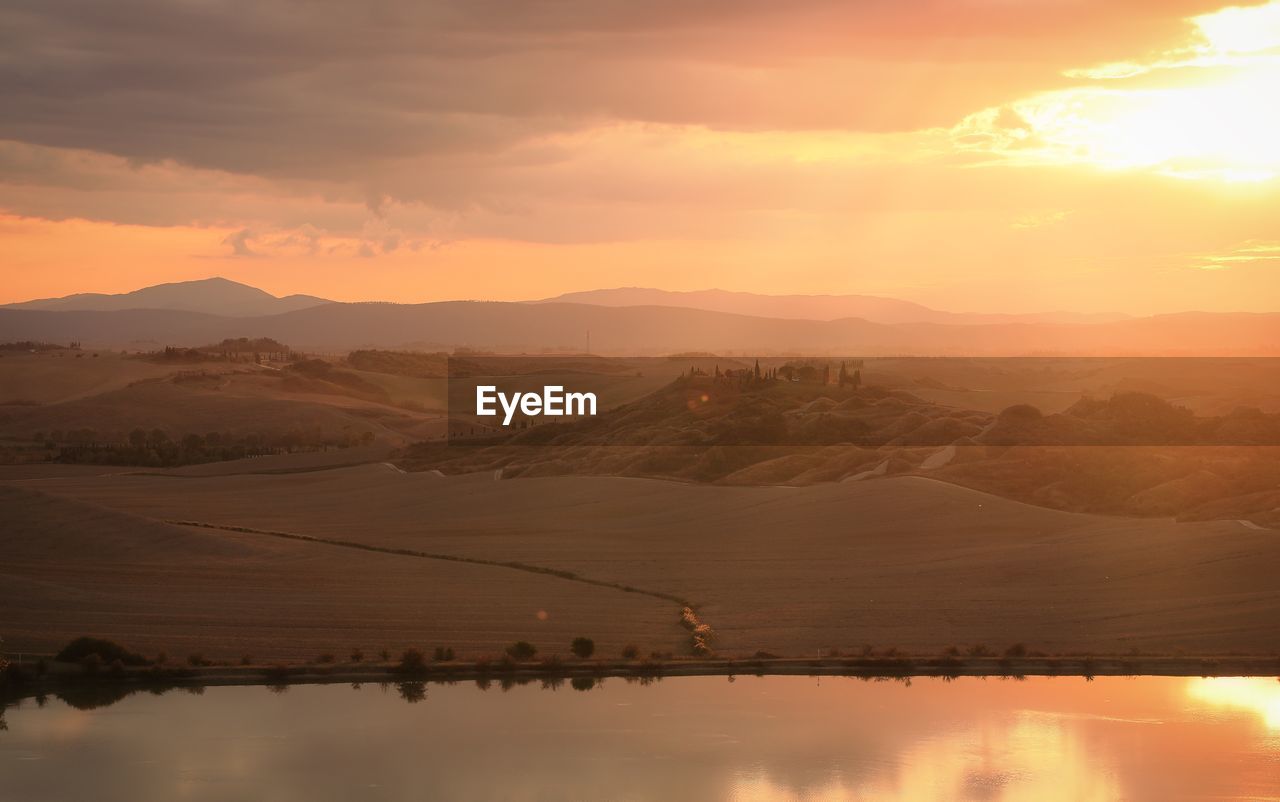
(413, 661)
(522, 650)
(583, 647)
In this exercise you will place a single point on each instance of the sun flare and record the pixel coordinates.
(1198, 113)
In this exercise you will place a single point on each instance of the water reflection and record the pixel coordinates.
(1257, 695)
(773, 738)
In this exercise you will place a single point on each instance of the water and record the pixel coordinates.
(699, 738)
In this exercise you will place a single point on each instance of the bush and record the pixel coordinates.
(630, 652)
(413, 661)
(444, 654)
(357, 656)
(522, 650)
(80, 648)
(327, 657)
(198, 660)
(1016, 650)
(551, 663)
(583, 648)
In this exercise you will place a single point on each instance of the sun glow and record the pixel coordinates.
(1257, 695)
(1184, 121)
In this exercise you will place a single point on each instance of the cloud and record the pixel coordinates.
(239, 242)
(1249, 253)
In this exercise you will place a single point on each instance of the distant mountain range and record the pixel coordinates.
(813, 307)
(179, 314)
(214, 296)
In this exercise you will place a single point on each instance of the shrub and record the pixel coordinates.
(197, 659)
(1016, 650)
(444, 654)
(979, 650)
(245, 660)
(327, 657)
(413, 661)
(630, 652)
(357, 656)
(583, 648)
(522, 650)
(385, 656)
(80, 648)
(552, 663)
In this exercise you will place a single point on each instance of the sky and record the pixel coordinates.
(972, 155)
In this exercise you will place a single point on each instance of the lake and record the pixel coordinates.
(682, 738)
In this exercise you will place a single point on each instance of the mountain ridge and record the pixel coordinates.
(877, 309)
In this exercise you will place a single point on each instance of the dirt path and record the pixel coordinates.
(425, 555)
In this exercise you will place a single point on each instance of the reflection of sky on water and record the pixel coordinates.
(777, 738)
(1257, 695)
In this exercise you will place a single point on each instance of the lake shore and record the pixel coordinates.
(26, 680)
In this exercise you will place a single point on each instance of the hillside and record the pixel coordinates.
(1130, 454)
(899, 562)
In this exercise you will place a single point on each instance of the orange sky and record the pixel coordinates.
(973, 155)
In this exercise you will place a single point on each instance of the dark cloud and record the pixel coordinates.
(338, 90)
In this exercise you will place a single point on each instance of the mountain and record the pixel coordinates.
(812, 307)
(216, 296)
(523, 327)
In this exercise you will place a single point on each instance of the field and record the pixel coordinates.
(71, 568)
(291, 555)
(908, 563)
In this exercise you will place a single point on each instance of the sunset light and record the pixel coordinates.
(634, 401)
(1197, 112)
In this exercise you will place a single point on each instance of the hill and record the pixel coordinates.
(217, 296)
